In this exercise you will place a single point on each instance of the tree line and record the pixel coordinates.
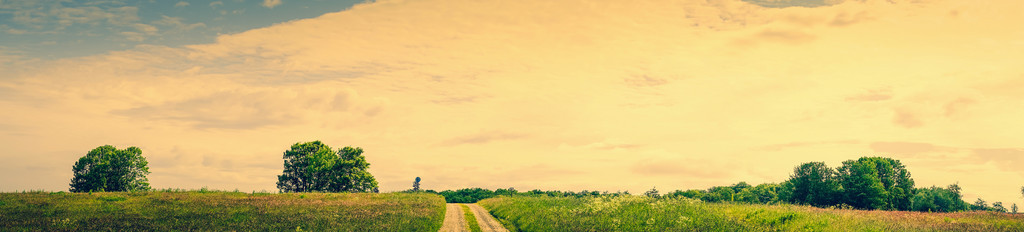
(869, 183)
(472, 195)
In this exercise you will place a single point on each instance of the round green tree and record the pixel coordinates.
(107, 168)
(314, 166)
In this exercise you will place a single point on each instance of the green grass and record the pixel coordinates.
(220, 211)
(470, 218)
(637, 213)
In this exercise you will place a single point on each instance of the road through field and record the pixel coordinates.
(455, 220)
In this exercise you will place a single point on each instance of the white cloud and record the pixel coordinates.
(271, 3)
(147, 29)
(215, 4)
(51, 16)
(177, 24)
(181, 4)
(133, 36)
(14, 31)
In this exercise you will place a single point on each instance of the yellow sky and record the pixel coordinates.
(570, 95)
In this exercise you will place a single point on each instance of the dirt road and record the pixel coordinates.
(454, 220)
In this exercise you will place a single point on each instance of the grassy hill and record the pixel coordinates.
(221, 211)
(637, 213)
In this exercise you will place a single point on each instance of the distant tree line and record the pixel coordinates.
(472, 195)
(870, 183)
(740, 192)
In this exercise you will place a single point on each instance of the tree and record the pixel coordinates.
(719, 194)
(936, 199)
(1013, 208)
(313, 166)
(861, 187)
(876, 183)
(108, 169)
(765, 193)
(416, 185)
(692, 194)
(979, 205)
(652, 193)
(998, 207)
(746, 195)
(740, 186)
(813, 183)
(785, 192)
(509, 192)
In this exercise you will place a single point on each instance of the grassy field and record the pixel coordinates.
(636, 213)
(220, 211)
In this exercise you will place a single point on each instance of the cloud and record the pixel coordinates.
(793, 3)
(785, 146)
(148, 29)
(872, 96)
(785, 36)
(177, 24)
(908, 148)
(14, 31)
(457, 100)
(195, 168)
(1009, 159)
(681, 168)
(181, 4)
(907, 119)
(215, 4)
(133, 36)
(1006, 159)
(247, 109)
(56, 16)
(846, 19)
(483, 137)
(957, 106)
(271, 3)
(645, 81)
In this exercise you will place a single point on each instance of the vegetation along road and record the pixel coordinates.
(469, 217)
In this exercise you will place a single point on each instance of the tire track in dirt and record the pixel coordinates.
(454, 220)
(486, 221)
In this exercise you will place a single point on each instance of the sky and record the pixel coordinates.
(531, 94)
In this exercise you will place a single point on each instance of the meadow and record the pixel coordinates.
(220, 211)
(640, 213)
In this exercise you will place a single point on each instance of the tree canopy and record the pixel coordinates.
(108, 169)
(314, 166)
